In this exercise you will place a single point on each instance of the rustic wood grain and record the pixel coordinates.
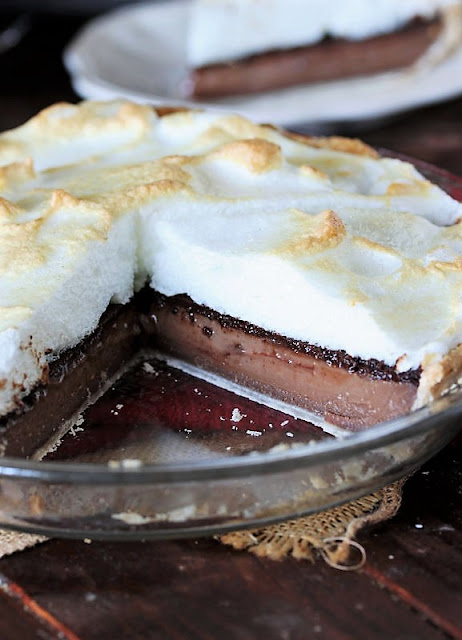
(420, 556)
(23, 619)
(199, 589)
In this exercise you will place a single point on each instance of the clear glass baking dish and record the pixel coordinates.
(163, 454)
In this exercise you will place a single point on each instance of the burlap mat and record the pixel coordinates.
(329, 534)
(12, 541)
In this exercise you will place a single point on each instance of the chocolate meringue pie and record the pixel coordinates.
(309, 269)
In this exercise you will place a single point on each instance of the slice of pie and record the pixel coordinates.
(246, 46)
(308, 269)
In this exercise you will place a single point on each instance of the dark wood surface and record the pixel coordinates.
(411, 585)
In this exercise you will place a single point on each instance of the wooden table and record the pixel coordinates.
(411, 586)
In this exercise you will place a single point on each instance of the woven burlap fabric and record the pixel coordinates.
(329, 534)
(12, 541)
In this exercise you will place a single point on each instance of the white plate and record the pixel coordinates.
(139, 53)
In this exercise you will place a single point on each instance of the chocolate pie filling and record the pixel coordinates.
(346, 391)
(327, 60)
(72, 380)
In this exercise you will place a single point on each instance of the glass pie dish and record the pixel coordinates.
(165, 454)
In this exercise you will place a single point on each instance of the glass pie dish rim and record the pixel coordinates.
(416, 423)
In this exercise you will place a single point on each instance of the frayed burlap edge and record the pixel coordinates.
(12, 541)
(330, 534)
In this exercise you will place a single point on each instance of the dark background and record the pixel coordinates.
(63, 7)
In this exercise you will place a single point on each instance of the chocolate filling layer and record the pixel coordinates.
(72, 381)
(349, 392)
(326, 60)
(375, 369)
